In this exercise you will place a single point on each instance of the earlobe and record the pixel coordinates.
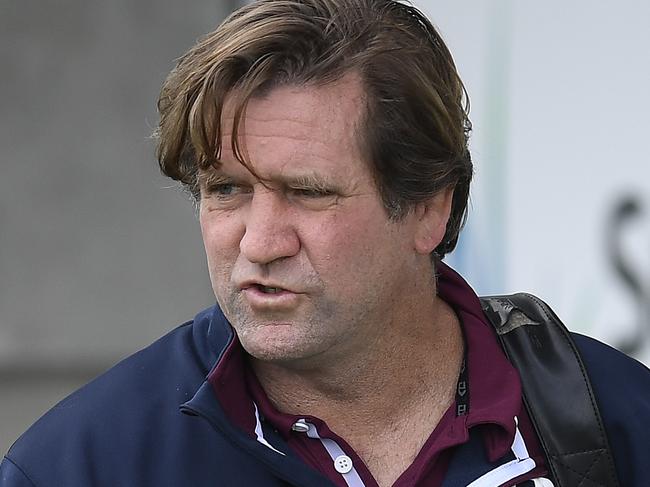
(432, 217)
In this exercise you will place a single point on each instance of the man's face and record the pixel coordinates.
(306, 265)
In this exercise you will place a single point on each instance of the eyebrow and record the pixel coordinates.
(211, 176)
(307, 180)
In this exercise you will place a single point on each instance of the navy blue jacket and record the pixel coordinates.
(152, 420)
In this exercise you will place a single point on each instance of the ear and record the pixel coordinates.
(432, 216)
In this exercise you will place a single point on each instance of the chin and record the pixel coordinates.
(274, 346)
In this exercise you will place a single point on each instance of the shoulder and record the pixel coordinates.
(135, 384)
(622, 389)
(130, 409)
(617, 379)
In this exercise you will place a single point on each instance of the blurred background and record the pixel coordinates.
(100, 255)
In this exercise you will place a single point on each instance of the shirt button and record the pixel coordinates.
(343, 464)
(300, 426)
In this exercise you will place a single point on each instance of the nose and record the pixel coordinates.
(269, 233)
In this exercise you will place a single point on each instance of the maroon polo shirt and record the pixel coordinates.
(493, 388)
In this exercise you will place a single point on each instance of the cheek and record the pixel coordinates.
(221, 243)
(346, 248)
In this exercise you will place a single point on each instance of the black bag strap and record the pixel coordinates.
(557, 392)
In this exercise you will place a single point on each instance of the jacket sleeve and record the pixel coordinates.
(622, 389)
(12, 476)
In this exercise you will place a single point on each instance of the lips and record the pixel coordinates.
(270, 296)
(267, 287)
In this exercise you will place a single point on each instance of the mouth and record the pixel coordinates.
(265, 287)
(268, 289)
(269, 296)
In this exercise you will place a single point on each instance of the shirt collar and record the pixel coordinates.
(494, 384)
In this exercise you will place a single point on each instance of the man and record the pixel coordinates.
(326, 144)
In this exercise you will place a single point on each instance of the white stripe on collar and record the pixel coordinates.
(542, 482)
(520, 465)
(259, 433)
(352, 478)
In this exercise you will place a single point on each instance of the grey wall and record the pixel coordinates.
(99, 255)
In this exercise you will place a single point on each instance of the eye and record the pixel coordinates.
(222, 189)
(225, 190)
(313, 197)
(312, 192)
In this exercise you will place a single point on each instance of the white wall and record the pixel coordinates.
(560, 106)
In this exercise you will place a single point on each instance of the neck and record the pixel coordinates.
(408, 372)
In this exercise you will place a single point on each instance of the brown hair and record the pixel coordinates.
(415, 130)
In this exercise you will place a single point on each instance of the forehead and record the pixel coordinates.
(302, 124)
